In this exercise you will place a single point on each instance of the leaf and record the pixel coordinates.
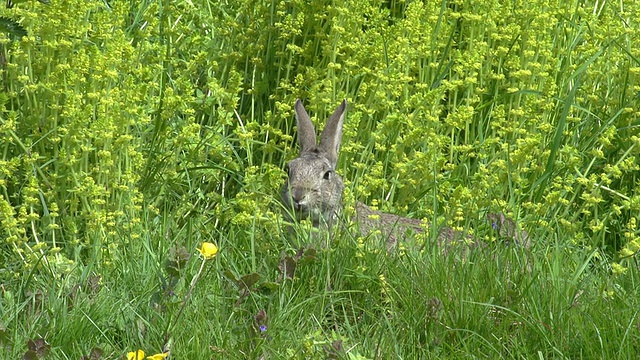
(177, 260)
(249, 280)
(288, 267)
(95, 354)
(261, 316)
(39, 346)
(30, 355)
(94, 283)
(299, 253)
(245, 282)
(230, 276)
(289, 264)
(309, 257)
(15, 30)
(268, 287)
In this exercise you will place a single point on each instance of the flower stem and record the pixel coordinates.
(186, 298)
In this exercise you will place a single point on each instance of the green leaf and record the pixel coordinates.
(249, 280)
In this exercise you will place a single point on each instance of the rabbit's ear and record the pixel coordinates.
(332, 134)
(306, 132)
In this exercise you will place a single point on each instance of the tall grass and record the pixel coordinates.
(132, 133)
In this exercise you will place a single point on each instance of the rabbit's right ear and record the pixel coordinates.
(306, 131)
(332, 134)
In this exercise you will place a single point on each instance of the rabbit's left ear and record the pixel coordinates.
(306, 131)
(332, 134)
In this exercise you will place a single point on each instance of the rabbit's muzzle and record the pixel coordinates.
(302, 203)
(297, 199)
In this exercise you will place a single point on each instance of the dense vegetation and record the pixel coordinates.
(130, 134)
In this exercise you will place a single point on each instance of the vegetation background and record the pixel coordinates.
(132, 132)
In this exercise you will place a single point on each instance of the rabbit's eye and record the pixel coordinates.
(327, 175)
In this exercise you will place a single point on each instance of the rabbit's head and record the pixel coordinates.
(313, 189)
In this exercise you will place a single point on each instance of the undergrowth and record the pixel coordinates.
(132, 133)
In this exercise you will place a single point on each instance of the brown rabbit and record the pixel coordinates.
(314, 190)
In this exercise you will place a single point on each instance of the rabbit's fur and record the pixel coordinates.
(313, 189)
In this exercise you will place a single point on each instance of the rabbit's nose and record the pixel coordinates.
(297, 195)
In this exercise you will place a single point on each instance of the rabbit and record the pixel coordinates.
(313, 189)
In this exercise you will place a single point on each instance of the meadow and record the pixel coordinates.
(143, 147)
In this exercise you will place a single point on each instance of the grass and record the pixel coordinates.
(130, 134)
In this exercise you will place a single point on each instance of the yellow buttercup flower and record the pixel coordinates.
(135, 355)
(159, 356)
(208, 250)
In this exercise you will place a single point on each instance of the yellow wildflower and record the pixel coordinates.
(135, 355)
(208, 250)
(159, 356)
